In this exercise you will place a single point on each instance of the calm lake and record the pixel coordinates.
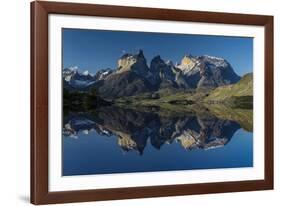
(122, 140)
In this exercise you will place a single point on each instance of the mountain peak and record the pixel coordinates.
(157, 59)
(133, 76)
(86, 73)
(135, 62)
(213, 57)
(186, 60)
(74, 68)
(169, 62)
(140, 53)
(156, 63)
(187, 63)
(217, 61)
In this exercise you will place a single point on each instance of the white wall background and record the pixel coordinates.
(14, 100)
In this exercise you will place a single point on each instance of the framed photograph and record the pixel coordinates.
(133, 102)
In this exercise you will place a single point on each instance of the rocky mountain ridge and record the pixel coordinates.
(133, 75)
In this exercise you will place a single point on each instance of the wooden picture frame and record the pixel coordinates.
(39, 102)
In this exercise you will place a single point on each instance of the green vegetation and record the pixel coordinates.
(163, 98)
(235, 95)
(239, 95)
(243, 116)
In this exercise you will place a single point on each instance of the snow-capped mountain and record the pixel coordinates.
(76, 79)
(133, 75)
(207, 71)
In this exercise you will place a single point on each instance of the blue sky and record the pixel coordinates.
(94, 49)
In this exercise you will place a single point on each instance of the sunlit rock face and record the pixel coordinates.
(133, 62)
(188, 139)
(187, 64)
(207, 71)
(134, 76)
(135, 129)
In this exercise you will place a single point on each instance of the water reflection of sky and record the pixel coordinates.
(93, 153)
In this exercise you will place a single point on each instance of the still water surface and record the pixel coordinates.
(118, 140)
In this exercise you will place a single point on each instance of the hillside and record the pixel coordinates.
(239, 93)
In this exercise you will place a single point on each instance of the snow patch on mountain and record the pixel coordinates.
(86, 73)
(133, 76)
(77, 79)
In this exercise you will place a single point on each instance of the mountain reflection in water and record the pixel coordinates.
(137, 129)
